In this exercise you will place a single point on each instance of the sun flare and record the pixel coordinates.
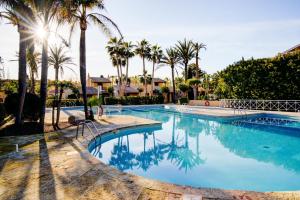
(41, 32)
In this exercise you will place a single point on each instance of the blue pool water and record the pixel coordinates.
(201, 151)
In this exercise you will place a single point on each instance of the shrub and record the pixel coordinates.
(31, 109)
(10, 87)
(66, 102)
(165, 89)
(156, 92)
(183, 87)
(183, 100)
(110, 90)
(94, 101)
(72, 96)
(134, 100)
(2, 112)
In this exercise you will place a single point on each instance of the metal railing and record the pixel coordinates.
(269, 105)
(93, 130)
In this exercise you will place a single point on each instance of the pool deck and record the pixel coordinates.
(228, 112)
(59, 166)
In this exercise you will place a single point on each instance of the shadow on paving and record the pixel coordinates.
(46, 179)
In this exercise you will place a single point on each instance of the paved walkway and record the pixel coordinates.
(58, 166)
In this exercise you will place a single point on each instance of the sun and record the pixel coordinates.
(40, 32)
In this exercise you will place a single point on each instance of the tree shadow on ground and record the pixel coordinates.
(46, 179)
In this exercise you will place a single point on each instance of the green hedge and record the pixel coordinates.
(31, 109)
(2, 112)
(134, 100)
(66, 102)
(267, 78)
(183, 100)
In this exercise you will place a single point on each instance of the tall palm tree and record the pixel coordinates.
(46, 12)
(117, 54)
(198, 47)
(128, 53)
(143, 49)
(155, 56)
(19, 14)
(186, 52)
(33, 59)
(171, 58)
(77, 14)
(59, 60)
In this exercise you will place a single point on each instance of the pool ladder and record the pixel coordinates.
(90, 125)
(240, 111)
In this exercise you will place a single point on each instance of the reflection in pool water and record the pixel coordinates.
(192, 150)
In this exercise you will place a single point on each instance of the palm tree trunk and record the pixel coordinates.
(82, 65)
(144, 73)
(55, 103)
(197, 64)
(121, 88)
(173, 81)
(195, 92)
(127, 64)
(185, 71)
(58, 106)
(56, 82)
(152, 82)
(44, 83)
(32, 88)
(197, 73)
(22, 75)
(121, 74)
(32, 72)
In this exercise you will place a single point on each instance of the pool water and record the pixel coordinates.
(206, 152)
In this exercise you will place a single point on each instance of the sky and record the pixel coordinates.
(231, 29)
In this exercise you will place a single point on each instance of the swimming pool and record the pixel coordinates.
(200, 151)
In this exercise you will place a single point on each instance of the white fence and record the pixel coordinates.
(271, 105)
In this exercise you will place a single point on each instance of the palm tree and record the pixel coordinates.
(19, 14)
(128, 53)
(171, 58)
(46, 12)
(59, 60)
(76, 12)
(186, 52)
(33, 59)
(143, 50)
(114, 50)
(117, 54)
(197, 48)
(155, 56)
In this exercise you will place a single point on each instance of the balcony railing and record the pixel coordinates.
(270, 105)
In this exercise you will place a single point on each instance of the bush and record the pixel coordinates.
(94, 101)
(165, 89)
(66, 102)
(267, 78)
(183, 87)
(72, 96)
(134, 100)
(31, 108)
(2, 112)
(183, 100)
(110, 90)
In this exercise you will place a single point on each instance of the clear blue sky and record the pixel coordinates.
(232, 29)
